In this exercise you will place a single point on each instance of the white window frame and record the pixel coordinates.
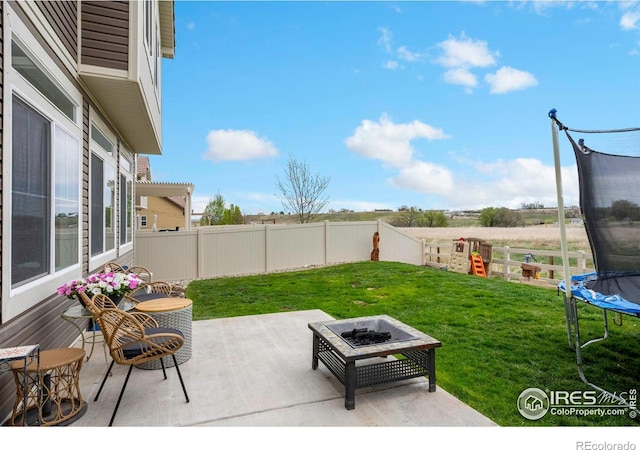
(143, 221)
(129, 157)
(98, 260)
(16, 300)
(151, 39)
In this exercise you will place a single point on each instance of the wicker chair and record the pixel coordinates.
(142, 272)
(133, 338)
(157, 287)
(113, 267)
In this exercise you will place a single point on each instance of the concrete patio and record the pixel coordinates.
(255, 371)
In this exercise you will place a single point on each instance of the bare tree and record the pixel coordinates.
(302, 193)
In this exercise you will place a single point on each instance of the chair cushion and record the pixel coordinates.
(137, 348)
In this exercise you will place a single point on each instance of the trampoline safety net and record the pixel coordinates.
(610, 203)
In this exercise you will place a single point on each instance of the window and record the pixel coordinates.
(42, 151)
(66, 199)
(126, 200)
(25, 66)
(143, 221)
(40, 155)
(102, 222)
(30, 224)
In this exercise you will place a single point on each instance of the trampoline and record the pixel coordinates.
(609, 186)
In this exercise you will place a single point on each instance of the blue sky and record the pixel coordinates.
(438, 105)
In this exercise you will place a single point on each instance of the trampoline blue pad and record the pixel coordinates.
(613, 302)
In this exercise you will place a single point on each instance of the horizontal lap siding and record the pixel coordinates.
(1, 134)
(105, 34)
(63, 18)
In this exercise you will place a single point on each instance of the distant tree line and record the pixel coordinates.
(415, 217)
(500, 217)
(216, 213)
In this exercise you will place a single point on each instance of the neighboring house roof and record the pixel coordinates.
(179, 201)
(143, 168)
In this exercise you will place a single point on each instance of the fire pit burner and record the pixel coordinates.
(362, 336)
(360, 333)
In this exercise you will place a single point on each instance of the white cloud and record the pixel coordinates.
(508, 79)
(425, 177)
(391, 65)
(461, 77)
(406, 55)
(465, 52)
(629, 20)
(386, 38)
(237, 145)
(390, 142)
(511, 183)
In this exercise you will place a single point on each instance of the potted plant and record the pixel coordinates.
(112, 284)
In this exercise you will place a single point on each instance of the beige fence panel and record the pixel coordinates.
(397, 246)
(295, 246)
(231, 250)
(217, 251)
(350, 241)
(168, 255)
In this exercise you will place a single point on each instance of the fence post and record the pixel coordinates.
(507, 259)
(326, 242)
(267, 248)
(582, 261)
(424, 252)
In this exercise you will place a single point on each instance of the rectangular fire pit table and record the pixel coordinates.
(340, 356)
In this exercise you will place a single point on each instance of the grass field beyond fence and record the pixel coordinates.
(498, 338)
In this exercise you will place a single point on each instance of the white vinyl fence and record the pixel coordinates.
(228, 250)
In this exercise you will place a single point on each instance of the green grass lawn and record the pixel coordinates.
(498, 337)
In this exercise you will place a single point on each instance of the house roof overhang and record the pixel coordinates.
(167, 28)
(159, 189)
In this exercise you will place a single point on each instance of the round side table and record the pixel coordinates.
(59, 376)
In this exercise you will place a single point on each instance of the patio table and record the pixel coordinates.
(170, 312)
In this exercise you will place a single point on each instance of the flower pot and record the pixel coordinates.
(79, 298)
(116, 298)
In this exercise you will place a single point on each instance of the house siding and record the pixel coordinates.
(1, 134)
(105, 34)
(42, 323)
(170, 215)
(63, 18)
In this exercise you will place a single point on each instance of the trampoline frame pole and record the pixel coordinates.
(563, 230)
